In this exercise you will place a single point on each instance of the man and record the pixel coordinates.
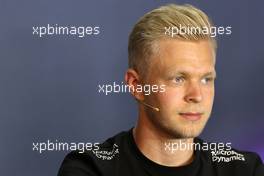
(164, 140)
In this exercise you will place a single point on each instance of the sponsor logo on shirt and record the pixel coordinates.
(226, 156)
(106, 155)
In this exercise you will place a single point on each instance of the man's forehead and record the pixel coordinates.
(186, 65)
(186, 71)
(185, 52)
(187, 57)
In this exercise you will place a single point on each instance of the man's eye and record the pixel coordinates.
(179, 80)
(207, 80)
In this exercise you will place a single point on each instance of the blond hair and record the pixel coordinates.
(143, 40)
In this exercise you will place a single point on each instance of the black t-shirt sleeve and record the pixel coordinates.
(259, 169)
(78, 164)
(252, 166)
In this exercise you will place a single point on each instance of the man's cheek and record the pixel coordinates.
(208, 102)
(208, 95)
(169, 99)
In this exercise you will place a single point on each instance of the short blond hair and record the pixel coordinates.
(151, 28)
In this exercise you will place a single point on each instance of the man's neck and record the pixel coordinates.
(161, 149)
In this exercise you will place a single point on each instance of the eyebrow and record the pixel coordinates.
(211, 73)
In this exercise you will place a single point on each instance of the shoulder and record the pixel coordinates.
(227, 159)
(93, 162)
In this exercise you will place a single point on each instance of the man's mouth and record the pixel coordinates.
(192, 116)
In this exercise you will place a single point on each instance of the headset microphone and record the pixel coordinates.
(148, 105)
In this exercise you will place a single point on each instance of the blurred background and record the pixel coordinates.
(49, 85)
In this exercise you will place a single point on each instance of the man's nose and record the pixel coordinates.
(193, 93)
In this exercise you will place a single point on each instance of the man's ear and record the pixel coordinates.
(133, 81)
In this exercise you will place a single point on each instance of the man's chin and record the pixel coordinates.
(186, 132)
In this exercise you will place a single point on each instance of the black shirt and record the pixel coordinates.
(119, 156)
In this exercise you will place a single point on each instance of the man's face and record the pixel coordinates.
(186, 68)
